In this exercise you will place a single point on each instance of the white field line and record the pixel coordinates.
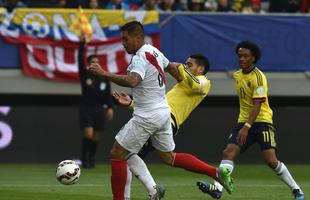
(169, 185)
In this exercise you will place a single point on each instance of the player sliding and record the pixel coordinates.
(255, 124)
(192, 87)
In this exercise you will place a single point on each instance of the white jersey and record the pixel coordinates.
(149, 96)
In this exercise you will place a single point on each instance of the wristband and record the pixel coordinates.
(247, 125)
(130, 104)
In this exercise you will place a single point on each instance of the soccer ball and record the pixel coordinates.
(68, 172)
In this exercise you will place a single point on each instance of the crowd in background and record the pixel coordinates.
(243, 6)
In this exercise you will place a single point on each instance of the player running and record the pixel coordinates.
(255, 124)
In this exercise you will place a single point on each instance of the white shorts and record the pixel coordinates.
(137, 131)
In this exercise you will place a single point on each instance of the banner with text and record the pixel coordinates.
(48, 48)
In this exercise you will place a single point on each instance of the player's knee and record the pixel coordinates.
(270, 158)
(166, 158)
(113, 153)
(271, 162)
(116, 153)
(229, 153)
(167, 161)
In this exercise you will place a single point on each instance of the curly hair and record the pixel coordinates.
(252, 47)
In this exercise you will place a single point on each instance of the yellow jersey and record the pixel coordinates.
(250, 87)
(186, 95)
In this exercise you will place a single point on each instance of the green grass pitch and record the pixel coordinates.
(38, 182)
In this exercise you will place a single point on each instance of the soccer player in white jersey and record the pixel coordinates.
(151, 118)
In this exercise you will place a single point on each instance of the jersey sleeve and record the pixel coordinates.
(260, 88)
(165, 61)
(138, 66)
(198, 84)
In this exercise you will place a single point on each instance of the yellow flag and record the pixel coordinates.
(80, 25)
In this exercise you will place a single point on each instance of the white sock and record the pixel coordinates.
(140, 170)
(285, 176)
(128, 184)
(230, 166)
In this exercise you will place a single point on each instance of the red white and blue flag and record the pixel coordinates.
(48, 48)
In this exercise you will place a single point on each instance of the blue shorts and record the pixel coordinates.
(261, 132)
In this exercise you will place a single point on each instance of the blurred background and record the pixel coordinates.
(39, 107)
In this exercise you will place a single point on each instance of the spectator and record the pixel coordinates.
(62, 3)
(93, 4)
(10, 5)
(255, 7)
(170, 5)
(118, 5)
(196, 5)
(277, 5)
(211, 5)
(304, 6)
(238, 5)
(134, 4)
(293, 6)
(76, 3)
(223, 6)
(149, 5)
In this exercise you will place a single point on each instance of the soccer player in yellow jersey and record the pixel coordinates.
(254, 123)
(192, 87)
(185, 96)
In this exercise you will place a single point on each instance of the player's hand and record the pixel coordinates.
(96, 69)
(122, 98)
(242, 135)
(109, 114)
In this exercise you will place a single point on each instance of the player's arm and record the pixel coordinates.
(243, 132)
(131, 80)
(173, 70)
(199, 85)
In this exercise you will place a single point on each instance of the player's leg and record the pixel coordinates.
(131, 138)
(119, 171)
(138, 167)
(215, 189)
(283, 173)
(231, 152)
(267, 142)
(128, 184)
(146, 149)
(188, 162)
(164, 144)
